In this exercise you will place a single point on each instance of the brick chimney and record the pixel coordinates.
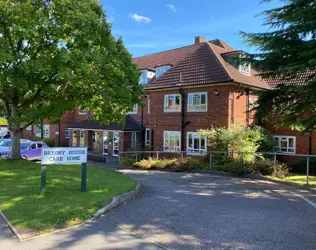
(200, 39)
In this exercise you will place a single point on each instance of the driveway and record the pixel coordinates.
(195, 211)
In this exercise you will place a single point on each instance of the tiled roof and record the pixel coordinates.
(130, 125)
(235, 74)
(299, 80)
(197, 64)
(170, 57)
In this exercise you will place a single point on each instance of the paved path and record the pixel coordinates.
(93, 235)
(194, 211)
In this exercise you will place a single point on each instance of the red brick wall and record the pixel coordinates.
(217, 114)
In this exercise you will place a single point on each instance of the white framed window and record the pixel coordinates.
(38, 131)
(172, 103)
(82, 110)
(67, 133)
(46, 131)
(172, 141)
(134, 140)
(196, 144)
(285, 144)
(148, 105)
(161, 70)
(135, 109)
(143, 77)
(147, 137)
(197, 102)
(245, 67)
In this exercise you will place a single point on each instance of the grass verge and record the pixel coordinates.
(298, 179)
(63, 205)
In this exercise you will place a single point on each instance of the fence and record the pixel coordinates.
(209, 157)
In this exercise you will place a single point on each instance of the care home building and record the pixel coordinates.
(187, 89)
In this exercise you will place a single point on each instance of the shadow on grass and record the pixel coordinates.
(63, 204)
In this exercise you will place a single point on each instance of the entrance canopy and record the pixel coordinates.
(130, 125)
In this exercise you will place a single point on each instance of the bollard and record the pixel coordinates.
(157, 157)
(211, 160)
(136, 157)
(83, 177)
(43, 179)
(307, 170)
(274, 165)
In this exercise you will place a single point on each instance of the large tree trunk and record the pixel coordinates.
(15, 141)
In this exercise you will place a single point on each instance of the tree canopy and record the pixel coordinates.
(58, 54)
(287, 59)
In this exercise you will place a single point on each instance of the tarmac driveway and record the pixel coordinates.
(193, 211)
(201, 211)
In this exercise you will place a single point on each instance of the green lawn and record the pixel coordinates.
(299, 179)
(63, 204)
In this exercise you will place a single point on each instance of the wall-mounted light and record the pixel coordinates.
(215, 91)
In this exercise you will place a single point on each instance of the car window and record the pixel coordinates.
(33, 146)
(24, 145)
(39, 145)
(5, 143)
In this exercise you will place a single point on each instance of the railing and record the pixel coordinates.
(210, 154)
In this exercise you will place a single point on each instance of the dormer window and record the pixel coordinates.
(161, 70)
(143, 77)
(245, 67)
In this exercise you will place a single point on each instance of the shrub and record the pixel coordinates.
(299, 166)
(49, 142)
(174, 164)
(146, 164)
(259, 166)
(127, 161)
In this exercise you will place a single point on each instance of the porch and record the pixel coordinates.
(104, 142)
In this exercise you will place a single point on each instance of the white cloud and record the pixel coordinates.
(171, 7)
(139, 18)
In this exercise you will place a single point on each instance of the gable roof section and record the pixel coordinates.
(130, 125)
(198, 64)
(199, 67)
(235, 74)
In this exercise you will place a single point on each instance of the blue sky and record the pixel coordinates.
(152, 26)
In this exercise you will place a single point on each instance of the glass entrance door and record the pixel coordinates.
(105, 143)
(74, 138)
(116, 142)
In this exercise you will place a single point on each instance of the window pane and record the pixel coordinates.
(190, 99)
(196, 143)
(177, 100)
(291, 142)
(196, 101)
(284, 144)
(203, 99)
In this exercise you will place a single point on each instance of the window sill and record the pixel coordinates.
(172, 111)
(197, 154)
(286, 153)
(196, 111)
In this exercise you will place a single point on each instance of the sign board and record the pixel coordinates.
(74, 155)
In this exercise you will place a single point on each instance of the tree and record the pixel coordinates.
(58, 54)
(287, 59)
